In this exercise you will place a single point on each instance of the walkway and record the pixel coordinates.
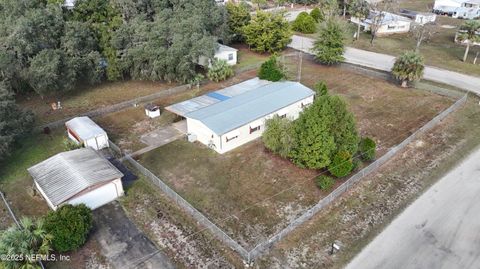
(439, 230)
(162, 136)
(385, 62)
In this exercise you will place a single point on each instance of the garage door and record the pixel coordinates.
(98, 197)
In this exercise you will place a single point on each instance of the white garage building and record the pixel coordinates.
(77, 176)
(236, 119)
(83, 130)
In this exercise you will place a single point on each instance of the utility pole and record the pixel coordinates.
(300, 62)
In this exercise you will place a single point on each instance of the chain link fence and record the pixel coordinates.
(262, 247)
(258, 250)
(192, 211)
(119, 106)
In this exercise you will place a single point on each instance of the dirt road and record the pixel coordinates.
(439, 230)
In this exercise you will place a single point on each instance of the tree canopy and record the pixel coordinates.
(304, 23)
(408, 67)
(330, 43)
(267, 32)
(28, 240)
(166, 44)
(322, 130)
(238, 17)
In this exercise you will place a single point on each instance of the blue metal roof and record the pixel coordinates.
(218, 96)
(242, 109)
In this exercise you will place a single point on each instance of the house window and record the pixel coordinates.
(283, 116)
(252, 130)
(231, 138)
(230, 56)
(391, 27)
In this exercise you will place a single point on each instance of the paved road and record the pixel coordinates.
(385, 62)
(439, 230)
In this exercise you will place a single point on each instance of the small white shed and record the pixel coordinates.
(222, 52)
(83, 130)
(79, 176)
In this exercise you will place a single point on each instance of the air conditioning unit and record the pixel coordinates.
(191, 138)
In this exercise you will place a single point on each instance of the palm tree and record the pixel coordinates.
(469, 34)
(29, 239)
(360, 10)
(408, 67)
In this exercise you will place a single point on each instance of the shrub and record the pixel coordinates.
(317, 14)
(324, 182)
(267, 32)
(220, 70)
(304, 23)
(320, 88)
(278, 136)
(330, 43)
(342, 164)
(69, 226)
(271, 70)
(69, 144)
(367, 148)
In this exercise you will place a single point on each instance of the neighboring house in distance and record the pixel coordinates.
(77, 176)
(462, 9)
(419, 17)
(237, 115)
(82, 130)
(388, 24)
(69, 4)
(222, 52)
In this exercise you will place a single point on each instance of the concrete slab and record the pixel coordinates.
(161, 136)
(122, 243)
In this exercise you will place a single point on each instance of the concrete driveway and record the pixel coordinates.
(439, 230)
(385, 62)
(122, 243)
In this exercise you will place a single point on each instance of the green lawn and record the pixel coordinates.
(15, 181)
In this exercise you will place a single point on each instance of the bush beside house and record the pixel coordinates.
(69, 226)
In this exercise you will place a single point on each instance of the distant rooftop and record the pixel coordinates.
(223, 48)
(224, 116)
(387, 17)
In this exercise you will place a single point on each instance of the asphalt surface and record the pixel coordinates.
(440, 230)
(124, 246)
(385, 62)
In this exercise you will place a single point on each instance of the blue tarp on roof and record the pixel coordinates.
(218, 96)
(242, 109)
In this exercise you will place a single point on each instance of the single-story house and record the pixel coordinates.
(222, 52)
(77, 176)
(84, 131)
(419, 17)
(464, 9)
(236, 119)
(388, 23)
